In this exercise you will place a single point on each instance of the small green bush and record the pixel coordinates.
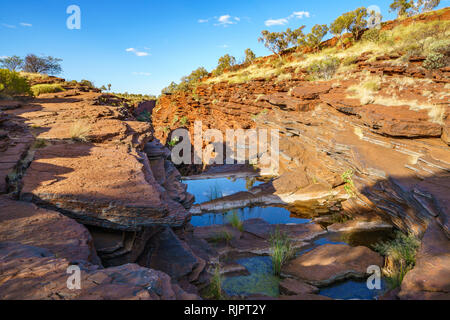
(349, 186)
(86, 83)
(11, 83)
(39, 89)
(374, 35)
(145, 117)
(439, 54)
(401, 255)
(441, 46)
(183, 121)
(347, 61)
(324, 68)
(435, 60)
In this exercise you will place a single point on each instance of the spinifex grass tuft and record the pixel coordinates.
(235, 221)
(281, 250)
(215, 285)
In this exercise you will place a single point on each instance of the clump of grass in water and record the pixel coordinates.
(400, 256)
(223, 236)
(215, 285)
(235, 221)
(281, 250)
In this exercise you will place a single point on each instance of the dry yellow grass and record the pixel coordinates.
(423, 34)
(79, 131)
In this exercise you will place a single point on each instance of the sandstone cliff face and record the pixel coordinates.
(394, 142)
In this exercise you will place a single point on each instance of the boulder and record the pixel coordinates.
(167, 253)
(330, 263)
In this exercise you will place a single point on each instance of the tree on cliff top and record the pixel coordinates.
(276, 42)
(354, 21)
(46, 65)
(249, 56)
(196, 75)
(403, 7)
(407, 8)
(12, 63)
(314, 38)
(224, 62)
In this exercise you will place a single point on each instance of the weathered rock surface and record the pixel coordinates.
(166, 252)
(27, 224)
(37, 246)
(103, 179)
(329, 263)
(99, 185)
(33, 273)
(430, 278)
(294, 287)
(108, 181)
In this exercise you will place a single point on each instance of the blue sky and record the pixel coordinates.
(140, 46)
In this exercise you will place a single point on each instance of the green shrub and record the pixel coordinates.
(324, 68)
(439, 54)
(145, 117)
(349, 186)
(347, 61)
(11, 83)
(374, 35)
(86, 83)
(435, 60)
(39, 89)
(441, 46)
(183, 121)
(400, 255)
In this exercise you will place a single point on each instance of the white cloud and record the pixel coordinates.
(137, 53)
(147, 74)
(3, 57)
(141, 53)
(276, 22)
(25, 24)
(301, 14)
(224, 20)
(283, 21)
(224, 46)
(9, 26)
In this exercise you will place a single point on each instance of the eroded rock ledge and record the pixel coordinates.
(104, 179)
